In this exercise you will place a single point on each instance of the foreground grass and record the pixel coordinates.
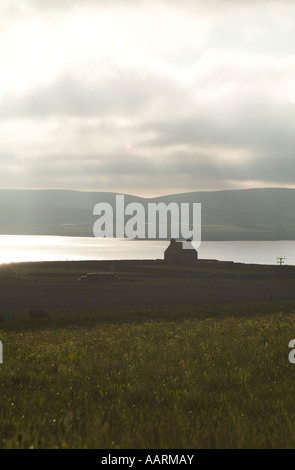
(219, 382)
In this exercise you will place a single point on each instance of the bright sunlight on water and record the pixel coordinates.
(18, 248)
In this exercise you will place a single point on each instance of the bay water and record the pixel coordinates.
(18, 248)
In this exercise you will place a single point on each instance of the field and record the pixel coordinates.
(205, 365)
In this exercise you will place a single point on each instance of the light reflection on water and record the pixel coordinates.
(18, 248)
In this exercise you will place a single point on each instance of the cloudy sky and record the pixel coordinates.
(147, 97)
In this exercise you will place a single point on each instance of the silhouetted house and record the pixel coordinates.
(176, 253)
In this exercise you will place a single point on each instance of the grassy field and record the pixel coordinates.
(193, 372)
(211, 377)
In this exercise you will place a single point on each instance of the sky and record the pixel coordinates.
(147, 97)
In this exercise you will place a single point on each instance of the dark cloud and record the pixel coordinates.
(179, 170)
(258, 133)
(122, 92)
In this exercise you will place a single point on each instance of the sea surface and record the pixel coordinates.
(17, 248)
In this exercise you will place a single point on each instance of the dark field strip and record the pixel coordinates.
(33, 294)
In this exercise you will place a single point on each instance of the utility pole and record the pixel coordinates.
(280, 260)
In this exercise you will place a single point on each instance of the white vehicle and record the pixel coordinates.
(101, 277)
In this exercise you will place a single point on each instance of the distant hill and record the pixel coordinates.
(250, 214)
